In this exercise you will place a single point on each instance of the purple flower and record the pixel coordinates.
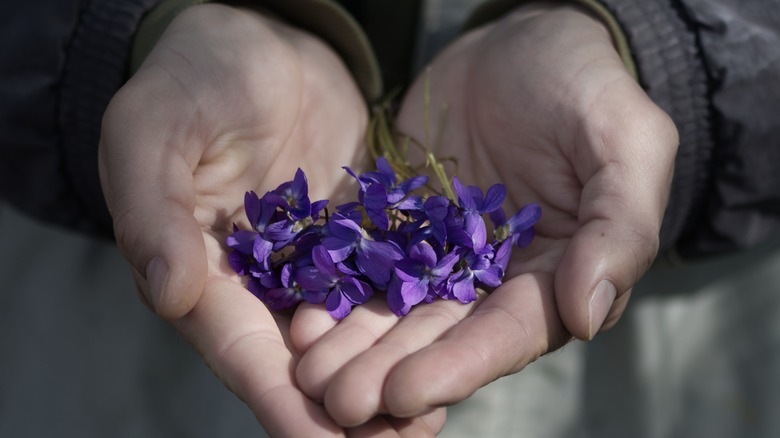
(478, 268)
(344, 291)
(475, 205)
(520, 227)
(418, 276)
(289, 292)
(379, 190)
(294, 195)
(375, 259)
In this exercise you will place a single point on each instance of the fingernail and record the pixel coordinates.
(603, 296)
(157, 276)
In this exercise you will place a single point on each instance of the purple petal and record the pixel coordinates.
(240, 262)
(376, 260)
(463, 288)
(375, 197)
(299, 188)
(354, 175)
(312, 279)
(474, 225)
(315, 297)
(413, 183)
(525, 238)
(464, 196)
(413, 292)
(491, 276)
(412, 202)
(437, 207)
(262, 250)
(476, 195)
(317, 207)
(379, 218)
(498, 217)
(395, 299)
(384, 167)
(281, 231)
(503, 254)
(323, 261)
(409, 269)
(287, 275)
(493, 198)
(445, 265)
(242, 241)
(337, 305)
(424, 252)
(338, 249)
(257, 289)
(252, 207)
(355, 290)
(344, 228)
(525, 218)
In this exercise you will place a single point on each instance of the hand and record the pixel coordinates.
(540, 101)
(228, 101)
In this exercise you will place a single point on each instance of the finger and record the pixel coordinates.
(309, 323)
(516, 324)
(389, 427)
(430, 424)
(626, 164)
(149, 192)
(352, 336)
(239, 339)
(354, 394)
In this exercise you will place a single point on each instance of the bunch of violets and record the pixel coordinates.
(415, 248)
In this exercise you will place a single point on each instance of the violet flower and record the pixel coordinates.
(475, 205)
(374, 258)
(419, 275)
(289, 292)
(520, 227)
(479, 269)
(343, 291)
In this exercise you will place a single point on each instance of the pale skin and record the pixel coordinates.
(220, 109)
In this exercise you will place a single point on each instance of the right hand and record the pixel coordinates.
(229, 101)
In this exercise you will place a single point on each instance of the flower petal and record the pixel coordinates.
(491, 276)
(312, 279)
(376, 260)
(337, 305)
(463, 288)
(423, 252)
(464, 195)
(525, 218)
(409, 269)
(355, 290)
(493, 198)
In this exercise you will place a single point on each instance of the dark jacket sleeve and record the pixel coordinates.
(714, 66)
(62, 61)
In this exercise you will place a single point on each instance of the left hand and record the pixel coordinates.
(541, 102)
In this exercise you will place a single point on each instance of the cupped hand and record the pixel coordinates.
(541, 102)
(228, 101)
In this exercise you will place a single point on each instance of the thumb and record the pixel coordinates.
(150, 194)
(626, 179)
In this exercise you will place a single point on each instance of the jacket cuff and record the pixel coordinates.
(96, 67)
(324, 18)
